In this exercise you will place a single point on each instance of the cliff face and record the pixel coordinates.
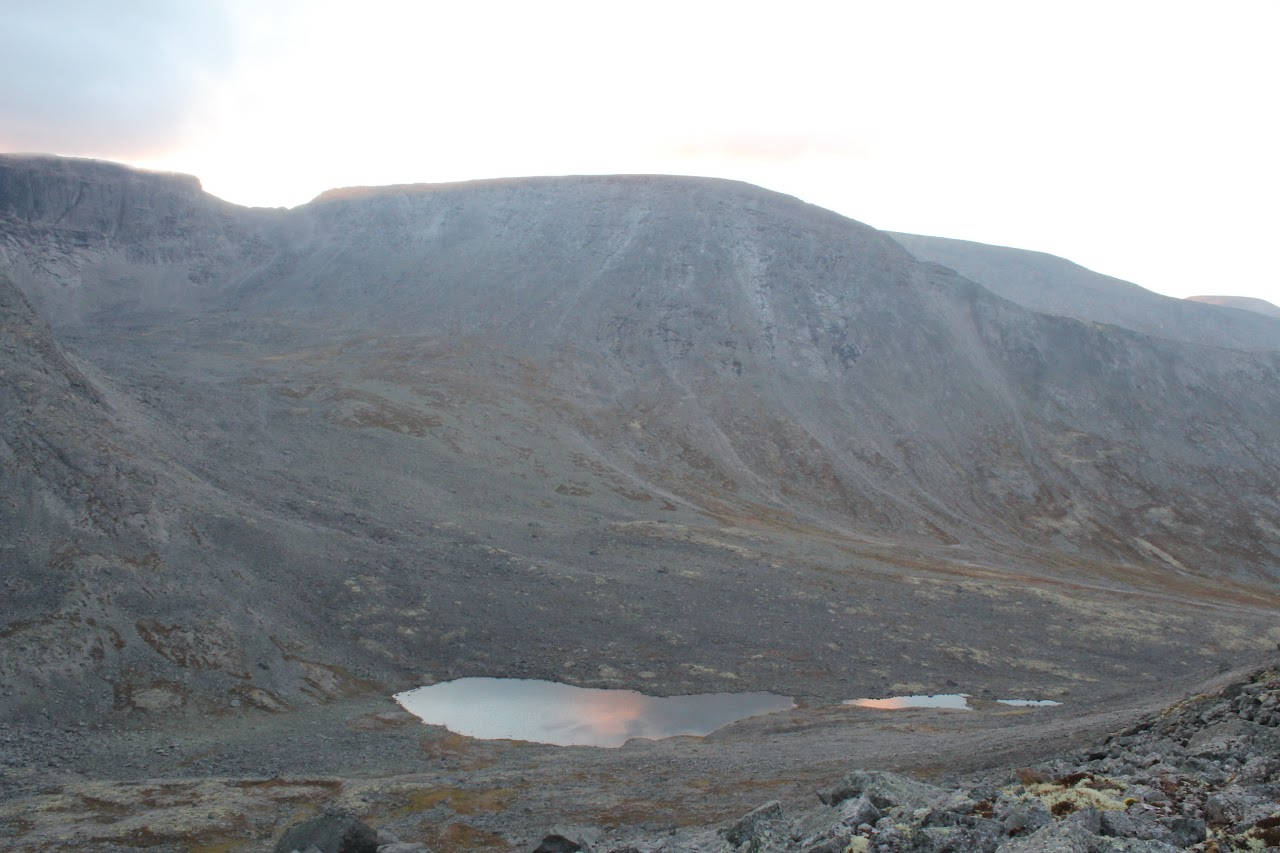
(143, 239)
(388, 420)
(95, 198)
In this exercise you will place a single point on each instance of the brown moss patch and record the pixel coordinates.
(196, 647)
(639, 495)
(329, 681)
(380, 721)
(460, 751)
(460, 800)
(459, 837)
(260, 698)
(363, 410)
(225, 845)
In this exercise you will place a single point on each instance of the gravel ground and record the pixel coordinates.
(240, 779)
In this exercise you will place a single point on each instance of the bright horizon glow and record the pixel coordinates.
(1135, 139)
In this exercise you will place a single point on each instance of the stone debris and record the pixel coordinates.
(1203, 776)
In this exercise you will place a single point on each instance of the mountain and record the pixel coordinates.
(1053, 285)
(610, 430)
(1244, 303)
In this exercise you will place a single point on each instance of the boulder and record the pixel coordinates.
(1186, 831)
(855, 812)
(885, 790)
(557, 844)
(756, 825)
(1054, 838)
(332, 831)
(1021, 816)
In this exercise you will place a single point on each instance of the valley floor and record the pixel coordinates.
(236, 783)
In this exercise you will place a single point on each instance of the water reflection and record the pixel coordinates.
(547, 712)
(954, 701)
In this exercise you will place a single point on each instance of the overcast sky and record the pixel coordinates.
(1139, 139)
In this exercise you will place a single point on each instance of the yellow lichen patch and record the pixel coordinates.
(1062, 799)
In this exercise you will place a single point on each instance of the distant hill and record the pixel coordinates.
(1054, 285)
(1244, 303)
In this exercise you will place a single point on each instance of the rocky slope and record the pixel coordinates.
(555, 384)
(1202, 774)
(1054, 285)
(669, 434)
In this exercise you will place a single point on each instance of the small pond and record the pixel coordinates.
(954, 701)
(547, 712)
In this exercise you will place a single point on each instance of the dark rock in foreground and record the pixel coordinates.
(334, 831)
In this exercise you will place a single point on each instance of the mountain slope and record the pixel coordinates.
(1053, 285)
(589, 428)
(1244, 303)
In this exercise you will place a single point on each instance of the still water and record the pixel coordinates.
(955, 701)
(547, 712)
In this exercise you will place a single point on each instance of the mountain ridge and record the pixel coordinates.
(1046, 283)
(1244, 303)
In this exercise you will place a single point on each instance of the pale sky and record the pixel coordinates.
(1137, 138)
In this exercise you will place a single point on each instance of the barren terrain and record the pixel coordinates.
(264, 468)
